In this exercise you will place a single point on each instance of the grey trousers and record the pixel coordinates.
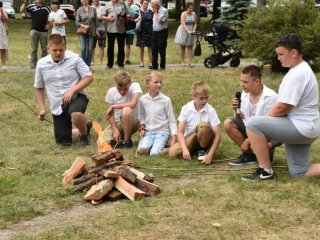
(281, 129)
(35, 37)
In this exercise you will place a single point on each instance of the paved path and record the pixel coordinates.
(135, 67)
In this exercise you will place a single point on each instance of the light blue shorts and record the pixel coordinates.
(154, 141)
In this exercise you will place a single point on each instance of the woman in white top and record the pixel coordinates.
(183, 35)
(3, 38)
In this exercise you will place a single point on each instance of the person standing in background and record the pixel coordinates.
(145, 33)
(57, 19)
(87, 18)
(116, 15)
(183, 35)
(3, 37)
(101, 39)
(39, 28)
(159, 34)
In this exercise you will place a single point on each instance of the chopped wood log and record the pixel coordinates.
(73, 171)
(109, 174)
(100, 158)
(149, 188)
(139, 174)
(87, 184)
(82, 179)
(105, 166)
(125, 172)
(99, 190)
(128, 190)
(114, 195)
(118, 154)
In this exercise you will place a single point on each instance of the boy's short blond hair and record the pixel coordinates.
(55, 39)
(122, 79)
(153, 74)
(199, 88)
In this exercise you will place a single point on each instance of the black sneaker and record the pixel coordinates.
(127, 144)
(89, 126)
(259, 174)
(84, 140)
(244, 159)
(127, 62)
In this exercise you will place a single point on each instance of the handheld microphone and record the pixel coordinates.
(238, 97)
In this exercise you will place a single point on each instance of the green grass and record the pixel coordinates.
(31, 168)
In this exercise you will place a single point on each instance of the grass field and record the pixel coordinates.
(34, 205)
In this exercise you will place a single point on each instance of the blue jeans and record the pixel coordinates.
(86, 45)
(155, 141)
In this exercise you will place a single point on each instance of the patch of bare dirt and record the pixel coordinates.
(62, 218)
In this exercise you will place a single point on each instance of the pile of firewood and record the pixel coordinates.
(110, 177)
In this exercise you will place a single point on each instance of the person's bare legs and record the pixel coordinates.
(190, 54)
(127, 122)
(93, 55)
(150, 55)
(182, 53)
(204, 137)
(3, 57)
(233, 132)
(128, 50)
(79, 120)
(259, 145)
(142, 56)
(314, 170)
(101, 55)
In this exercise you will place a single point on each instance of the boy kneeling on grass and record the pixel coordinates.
(198, 127)
(157, 119)
(64, 75)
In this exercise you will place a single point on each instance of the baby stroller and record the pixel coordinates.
(221, 40)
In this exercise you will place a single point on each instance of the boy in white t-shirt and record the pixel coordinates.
(122, 110)
(57, 19)
(198, 127)
(293, 120)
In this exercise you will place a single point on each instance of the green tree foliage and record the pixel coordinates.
(234, 12)
(263, 26)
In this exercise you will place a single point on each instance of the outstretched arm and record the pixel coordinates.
(39, 92)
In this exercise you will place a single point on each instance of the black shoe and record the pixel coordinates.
(127, 144)
(259, 174)
(244, 159)
(89, 126)
(84, 140)
(201, 154)
(127, 62)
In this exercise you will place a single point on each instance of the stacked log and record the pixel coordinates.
(109, 176)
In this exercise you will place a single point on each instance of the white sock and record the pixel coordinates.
(268, 170)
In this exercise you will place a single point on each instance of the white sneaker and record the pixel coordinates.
(201, 155)
(4, 68)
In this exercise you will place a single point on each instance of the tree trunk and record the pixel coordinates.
(216, 12)
(178, 9)
(197, 10)
(261, 3)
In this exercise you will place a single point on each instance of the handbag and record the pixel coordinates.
(82, 30)
(197, 49)
(130, 24)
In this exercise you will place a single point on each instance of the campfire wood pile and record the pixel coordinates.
(110, 177)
